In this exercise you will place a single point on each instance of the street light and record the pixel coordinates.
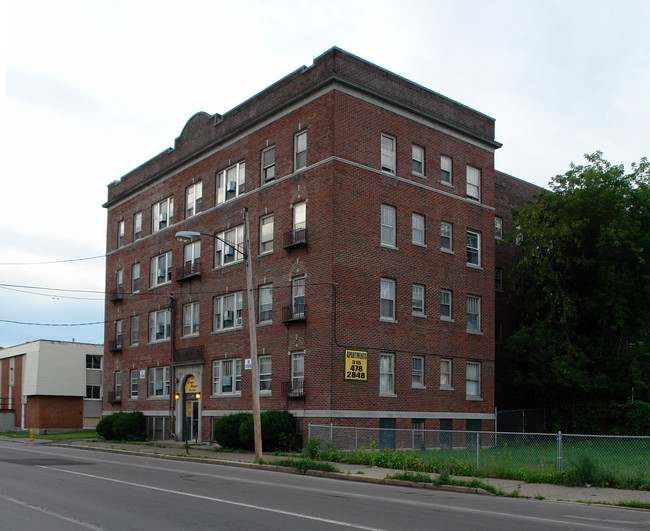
(186, 235)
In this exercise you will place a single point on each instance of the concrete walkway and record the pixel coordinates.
(206, 453)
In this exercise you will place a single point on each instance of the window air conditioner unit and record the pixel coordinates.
(228, 316)
(163, 217)
(229, 251)
(232, 186)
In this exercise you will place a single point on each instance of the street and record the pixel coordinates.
(44, 487)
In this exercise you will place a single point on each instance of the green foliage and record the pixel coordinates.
(278, 427)
(305, 464)
(226, 429)
(584, 268)
(585, 473)
(122, 426)
(236, 431)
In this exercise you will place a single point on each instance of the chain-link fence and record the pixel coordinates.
(503, 454)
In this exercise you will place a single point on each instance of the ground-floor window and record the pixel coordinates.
(158, 428)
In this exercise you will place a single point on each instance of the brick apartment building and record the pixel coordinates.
(371, 202)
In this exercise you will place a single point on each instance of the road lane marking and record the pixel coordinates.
(219, 500)
(49, 512)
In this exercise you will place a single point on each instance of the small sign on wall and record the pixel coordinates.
(248, 364)
(143, 374)
(356, 365)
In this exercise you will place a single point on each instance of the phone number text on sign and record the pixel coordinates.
(356, 365)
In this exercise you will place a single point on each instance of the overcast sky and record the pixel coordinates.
(95, 88)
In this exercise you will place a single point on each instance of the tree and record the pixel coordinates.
(584, 272)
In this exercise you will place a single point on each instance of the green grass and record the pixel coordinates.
(302, 464)
(68, 435)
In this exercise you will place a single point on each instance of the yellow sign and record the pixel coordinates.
(191, 385)
(356, 365)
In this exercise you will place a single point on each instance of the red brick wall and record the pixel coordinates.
(54, 413)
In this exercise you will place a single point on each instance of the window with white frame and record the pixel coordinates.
(93, 361)
(387, 373)
(445, 170)
(473, 183)
(227, 311)
(446, 230)
(417, 371)
(135, 330)
(473, 379)
(298, 297)
(230, 252)
(193, 199)
(94, 392)
(266, 303)
(473, 313)
(137, 226)
(266, 234)
(417, 304)
(298, 372)
(192, 257)
(161, 269)
(498, 228)
(118, 333)
(226, 377)
(120, 233)
(387, 299)
(159, 325)
(445, 374)
(473, 248)
(231, 182)
(158, 381)
(118, 384)
(417, 231)
(162, 214)
(388, 154)
(419, 442)
(265, 373)
(388, 220)
(135, 278)
(418, 160)
(134, 380)
(191, 319)
(445, 305)
(119, 281)
(268, 165)
(300, 150)
(498, 279)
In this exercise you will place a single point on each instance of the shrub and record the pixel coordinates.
(104, 428)
(123, 427)
(278, 426)
(236, 431)
(226, 429)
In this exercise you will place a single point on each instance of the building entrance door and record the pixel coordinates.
(191, 412)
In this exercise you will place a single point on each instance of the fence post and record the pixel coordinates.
(331, 431)
(308, 431)
(356, 438)
(559, 451)
(478, 435)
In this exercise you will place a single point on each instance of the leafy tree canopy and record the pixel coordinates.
(584, 272)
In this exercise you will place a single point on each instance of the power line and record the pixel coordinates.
(53, 261)
(51, 324)
(53, 296)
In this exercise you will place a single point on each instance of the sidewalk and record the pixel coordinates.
(207, 453)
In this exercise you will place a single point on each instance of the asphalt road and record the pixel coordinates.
(43, 487)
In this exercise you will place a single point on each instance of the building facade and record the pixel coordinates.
(371, 203)
(50, 386)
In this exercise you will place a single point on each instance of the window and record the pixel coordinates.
(227, 311)
(386, 374)
(418, 299)
(265, 373)
(388, 234)
(473, 248)
(119, 281)
(473, 183)
(226, 377)
(387, 299)
(446, 236)
(445, 305)
(118, 384)
(94, 392)
(298, 371)
(192, 258)
(191, 319)
(268, 165)
(298, 297)
(159, 381)
(498, 228)
(162, 214)
(473, 379)
(445, 170)
(387, 153)
(300, 150)
(418, 160)
(418, 229)
(266, 234)
(135, 278)
(418, 434)
(118, 333)
(498, 279)
(93, 361)
(231, 182)
(120, 234)
(135, 330)
(473, 313)
(193, 199)
(137, 226)
(266, 303)
(134, 383)
(445, 374)
(161, 269)
(299, 216)
(230, 252)
(159, 325)
(417, 371)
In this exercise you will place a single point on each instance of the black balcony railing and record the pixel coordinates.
(189, 270)
(295, 238)
(115, 345)
(115, 295)
(114, 398)
(189, 355)
(294, 389)
(295, 312)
